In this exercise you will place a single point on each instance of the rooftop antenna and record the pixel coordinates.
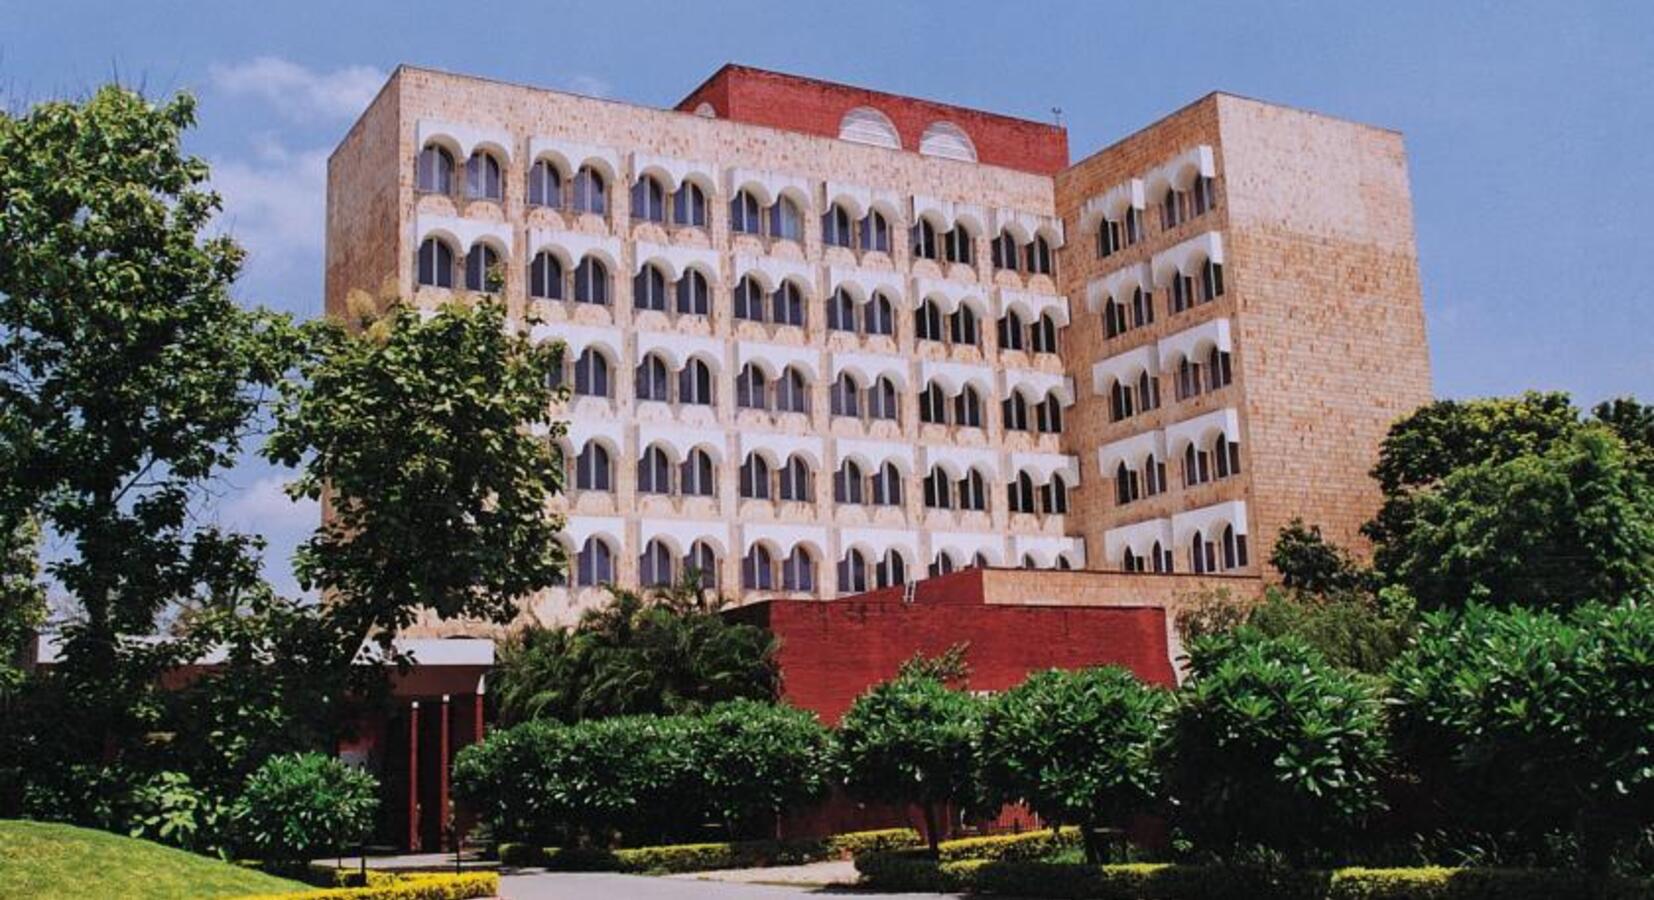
(1056, 113)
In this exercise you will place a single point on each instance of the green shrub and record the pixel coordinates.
(911, 740)
(1530, 723)
(516, 854)
(705, 857)
(303, 805)
(1269, 745)
(415, 886)
(168, 809)
(755, 760)
(1076, 746)
(1028, 845)
(855, 843)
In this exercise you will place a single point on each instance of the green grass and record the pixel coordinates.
(42, 859)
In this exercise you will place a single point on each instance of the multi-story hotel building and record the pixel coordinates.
(823, 339)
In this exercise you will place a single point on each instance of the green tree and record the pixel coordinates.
(757, 760)
(22, 602)
(912, 740)
(1077, 747)
(1526, 723)
(667, 651)
(128, 377)
(420, 432)
(302, 805)
(1634, 423)
(1309, 562)
(1271, 746)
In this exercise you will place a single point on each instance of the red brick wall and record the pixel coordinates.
(815, 107)
(832, 651)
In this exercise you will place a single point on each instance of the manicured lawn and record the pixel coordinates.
(39, 859)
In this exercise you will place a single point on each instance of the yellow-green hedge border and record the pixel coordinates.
(412, 886)
(675, 858)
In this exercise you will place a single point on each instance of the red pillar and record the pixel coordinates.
(442, 777)
(477, 730)
(413, 777)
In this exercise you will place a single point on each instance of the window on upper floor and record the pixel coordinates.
(958, 247)
(835, 227)
(595, 563)
(962, 327)
(972, 492)
(694, 295)
(701, 564)
(1211, 281)
(434, 171)
(798, 571)
(591, 191)
(697, 477)
(1234, 548)
(938, 489)
(654, 472)
(758, 569)
(883, 400)
(1037, 256)
(797, 480)
(1014, 412)
(852, 572)
(967, 408)
(849, 483)
(788, 305)
(649, 289)
(786, 221)
(1127, 399)
(752, 388)
(942, 564)
(755, 478)
(1011, 331)
(744, 214)
(873, 232)
(695, 385)
(891, 571)
(841, 311)
(927, 321)
(652, 381)
(1174, 208)
(591, 282)
(648, 200)
(482, 269)
(435, 265)
(545, 185)
(482, 177)
(846, 396)
(1203, 194)
(545, 276)
(1054, 496)
(1127, 486)
(591, 374)
(1198, 377)
(792, 392)
(1043, 335)
(689, 205)
(593, 468)
(1048, 414)
(1022, 495)
(885, 487)
(924, 240)
(748, 299)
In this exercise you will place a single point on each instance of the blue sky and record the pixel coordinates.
(1528, 125)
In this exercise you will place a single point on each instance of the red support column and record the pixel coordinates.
(442, 778)
(477, 733)
(413, 777)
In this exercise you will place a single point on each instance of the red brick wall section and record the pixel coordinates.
(832, 651)
(795, 103)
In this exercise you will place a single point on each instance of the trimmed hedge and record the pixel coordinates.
(1029, 845)
(900, 872)
(706, 857)
(413, 886)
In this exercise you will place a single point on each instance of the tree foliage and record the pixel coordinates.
(1309, 562)
(757, 760)
(128, 376)
(22, 601)
(912, 740)
(1076, 746)
(299, 806)
(1527, 723)
(420, 432)
(1270, 746)
(669, 651)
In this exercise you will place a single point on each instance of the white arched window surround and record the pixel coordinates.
(948, 141)
(866, 125)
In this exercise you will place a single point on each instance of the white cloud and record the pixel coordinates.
(264, 508)
(298, 93)
(274, 202)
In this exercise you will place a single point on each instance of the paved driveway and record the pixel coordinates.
(533, 884)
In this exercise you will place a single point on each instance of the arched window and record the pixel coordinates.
(933, 405)
(882, 400)
(938, 489)
(1015, 412)
(591, 374)
(1120, 402)
(887, 486)
(435, 171)
(967, 408)
(545, 185)
(1183, 292)
(595, 564)
(701, 562)
(481, 266)
(835, 227)
(942, 564)
(1225, 457)
(482, 177)
(797, 482)
(592, 468)
(798, 571)
(694, 297)
(695, 383)
(962, 326)
(1039, 256)
(1125, 485)
(651, 380)
(1219, 369)
(1004, 249)
(697, 477)
(880, 317)
(1054, 495)
(1234, 548)
(1010, 331)
(1202, 194)
(648, 200)
(1062, 562)
(1131, 562)
(792, 392)
(852, 572)
(959, 245)
(1049, 418)
(591, 192)
(436, 264)
(1160, 559)
(654, 472)
(1142, 308)
(591, 282)
(1202, 555)
(924, 240)
(751, 388)
(744, 217)
(689, 205)
(1108, 238)
(758, 569)
(1154, 475)
(1171, 210)
(788, 301)
(973, 492)
(980, 560)
(1114, 319)
(1044, 334)
(749, 299)
(545, 276)
(841, 311)
(1028, 561)
(1211, 281)
(892, 570)
(1022, 494)
(655, 565)
(866, 125)
(846, 396)
(927, 321)
(847, 483)
(1197, 466)
(786, 222)
(649, 289)
(874, 232)
(948, 141)
(755, 478)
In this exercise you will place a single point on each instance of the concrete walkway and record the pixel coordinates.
(535, 884)
(819, 874)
